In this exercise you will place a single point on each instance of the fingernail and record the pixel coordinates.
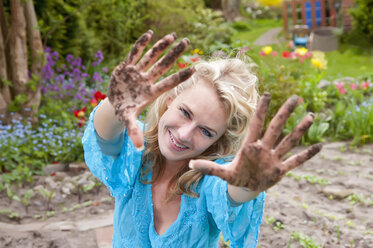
(139, 149)
(150, 32)
(174, 35)
(191, 164)
(187, 41)
(266, 94)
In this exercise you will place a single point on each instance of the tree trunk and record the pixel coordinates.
(6, 40)
(37, 56)
(4, 88)
(18, 48)
(230, 9)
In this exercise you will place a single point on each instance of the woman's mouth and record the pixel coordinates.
(176, 145)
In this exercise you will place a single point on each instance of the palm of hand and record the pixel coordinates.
(258, 165)
(131, 86)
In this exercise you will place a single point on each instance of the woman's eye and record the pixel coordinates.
(185, 113)
(206, 132)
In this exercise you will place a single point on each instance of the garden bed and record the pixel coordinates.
(324, 203)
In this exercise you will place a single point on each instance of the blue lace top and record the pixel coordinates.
(199, 221)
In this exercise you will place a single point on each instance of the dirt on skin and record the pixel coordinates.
(327, 202)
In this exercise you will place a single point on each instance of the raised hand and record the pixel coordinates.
(131, 86)
(258, 165)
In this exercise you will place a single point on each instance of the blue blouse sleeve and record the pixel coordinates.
(119, 172)
(239, 224)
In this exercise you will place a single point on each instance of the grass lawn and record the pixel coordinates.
(257, 28)
(349, 62)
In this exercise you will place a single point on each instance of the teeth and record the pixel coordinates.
(176, 144)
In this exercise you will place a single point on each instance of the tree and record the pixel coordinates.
(23, 93)
(230, 9)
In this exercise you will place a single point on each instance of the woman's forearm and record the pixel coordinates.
(240, 194)
(106, 123)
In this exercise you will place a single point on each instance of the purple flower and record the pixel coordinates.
(104, 69)
(77, 62)
(55, 55)
(78, 96)
(97, 77)
(43, 90)
(100, 58)
(69, 58)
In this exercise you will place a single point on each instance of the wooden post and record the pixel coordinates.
(313, 11)
(285, 16)
(294, 12)
(303, 6)
(323, 19)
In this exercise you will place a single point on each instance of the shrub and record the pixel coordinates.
(363, 16)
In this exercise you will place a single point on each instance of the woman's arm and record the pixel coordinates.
(106, 123)
(259, 164)
(240, 194)
(132, 86)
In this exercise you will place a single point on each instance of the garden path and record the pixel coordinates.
(271, 37)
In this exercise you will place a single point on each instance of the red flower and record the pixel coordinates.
(80, 113)
(182, 65)
(53, 174)
(81, 122)
(194, 59)
(93, 102)
(99, 96)
(286, 54)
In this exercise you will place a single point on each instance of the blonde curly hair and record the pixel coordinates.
(236, 87)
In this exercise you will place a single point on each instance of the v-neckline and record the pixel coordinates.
(150, 199)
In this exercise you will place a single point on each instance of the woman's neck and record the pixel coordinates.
(171, 168)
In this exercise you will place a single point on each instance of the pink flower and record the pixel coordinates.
(342, 91)
(308, 55)
(354, 86)
(341, 87)
(365, 85)
(261, 53)
(274, 53)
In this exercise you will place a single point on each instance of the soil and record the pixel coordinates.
(327, 202)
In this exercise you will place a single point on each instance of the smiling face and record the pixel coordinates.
(194, 120)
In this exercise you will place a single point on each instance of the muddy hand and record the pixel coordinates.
(131, 86)
(258, 165)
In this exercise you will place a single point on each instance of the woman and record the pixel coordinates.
(162, 197)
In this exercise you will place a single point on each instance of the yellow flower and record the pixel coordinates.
(301, 51)
(270, 3)
(267, 50)
(200, 52)
(318, 60)
(195, 51)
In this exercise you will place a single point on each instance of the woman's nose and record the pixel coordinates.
(186, 132)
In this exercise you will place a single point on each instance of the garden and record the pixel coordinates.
(43, 178)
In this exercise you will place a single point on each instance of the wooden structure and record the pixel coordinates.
(315, 13)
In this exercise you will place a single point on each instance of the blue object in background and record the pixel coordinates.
(308, 7)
